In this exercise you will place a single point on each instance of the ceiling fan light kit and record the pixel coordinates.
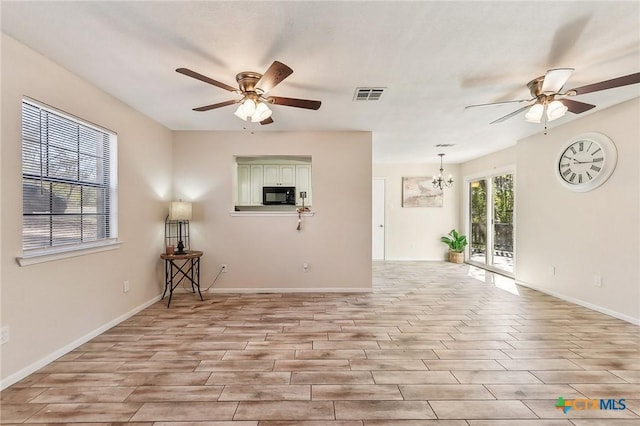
(253, 87)
(249, 110)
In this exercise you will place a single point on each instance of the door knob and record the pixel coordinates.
(380, 226)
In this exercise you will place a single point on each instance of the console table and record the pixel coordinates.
(180, 267)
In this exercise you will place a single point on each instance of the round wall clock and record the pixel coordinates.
(586, 161)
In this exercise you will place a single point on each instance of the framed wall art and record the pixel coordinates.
(419, 192)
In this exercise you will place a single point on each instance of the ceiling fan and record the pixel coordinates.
(253, 87)
(546, 95)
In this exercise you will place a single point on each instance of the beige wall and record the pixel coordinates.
(582, 234)
(268, 252)
(414, 233)
(489, 164)
(52, 307)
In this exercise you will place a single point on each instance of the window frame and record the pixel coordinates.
(106, 186)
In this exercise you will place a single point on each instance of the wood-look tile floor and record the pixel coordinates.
(433, 344)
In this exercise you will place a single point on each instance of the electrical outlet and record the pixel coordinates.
(223, 267)
(552, 270)
(4, 335)
(597, 280)
(305, 267)
(125, 287)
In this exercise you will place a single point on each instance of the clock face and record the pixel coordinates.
(586, 162)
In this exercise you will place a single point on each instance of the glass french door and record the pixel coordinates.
(491, 207)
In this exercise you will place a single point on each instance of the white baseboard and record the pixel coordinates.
(16, 377)
(292, 290)
(401, 259)
(591, 306)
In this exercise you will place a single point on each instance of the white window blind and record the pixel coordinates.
(68, 181)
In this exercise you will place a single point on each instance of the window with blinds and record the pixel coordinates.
(68, 181)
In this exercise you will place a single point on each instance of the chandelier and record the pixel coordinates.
(254, 110)
(438, 181)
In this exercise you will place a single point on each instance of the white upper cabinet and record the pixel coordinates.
(257, 182)
(244, 185)
(279, 175)
(303, 184)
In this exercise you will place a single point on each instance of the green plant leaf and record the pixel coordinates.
(456, 242)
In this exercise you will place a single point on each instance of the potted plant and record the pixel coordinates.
(456, 243)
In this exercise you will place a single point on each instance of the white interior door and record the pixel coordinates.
(377, 219)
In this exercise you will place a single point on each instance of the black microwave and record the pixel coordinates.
(278, 195)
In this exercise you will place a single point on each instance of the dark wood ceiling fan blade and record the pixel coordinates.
(273, 76)
(497, 103)
(516, 112)
(608, 84)
(293, 102)
(577, 107)
(267, 121)
(205, 79)
(218, 105)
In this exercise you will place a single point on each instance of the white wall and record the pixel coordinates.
(268, 253)
(52, 307)
(582, 234)
(414, 233)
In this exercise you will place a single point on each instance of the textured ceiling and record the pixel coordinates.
(433, 58)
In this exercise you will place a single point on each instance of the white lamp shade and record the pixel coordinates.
(534, 114)
(180, 210)
(240, 113)
(556, 109)
(262, 112)
(248, 107)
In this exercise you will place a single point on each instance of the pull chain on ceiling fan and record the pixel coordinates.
(253, 87)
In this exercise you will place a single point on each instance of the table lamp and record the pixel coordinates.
(180, 211)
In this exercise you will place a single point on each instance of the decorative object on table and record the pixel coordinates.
(177, 226)
(456, 243)
(303, 195)
(439, 182)
(418, 192)
(586, 161)
(171, 249)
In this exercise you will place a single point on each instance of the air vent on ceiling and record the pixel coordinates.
(368, 93)
(445, 145)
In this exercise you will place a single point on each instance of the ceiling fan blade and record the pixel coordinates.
(218, 105)
(267, 121)
(577, 107)
(498, 103)
(206, 79)
(554, 80)
(516, 112)
(292, 102)
(608, 84)
(273, 76)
